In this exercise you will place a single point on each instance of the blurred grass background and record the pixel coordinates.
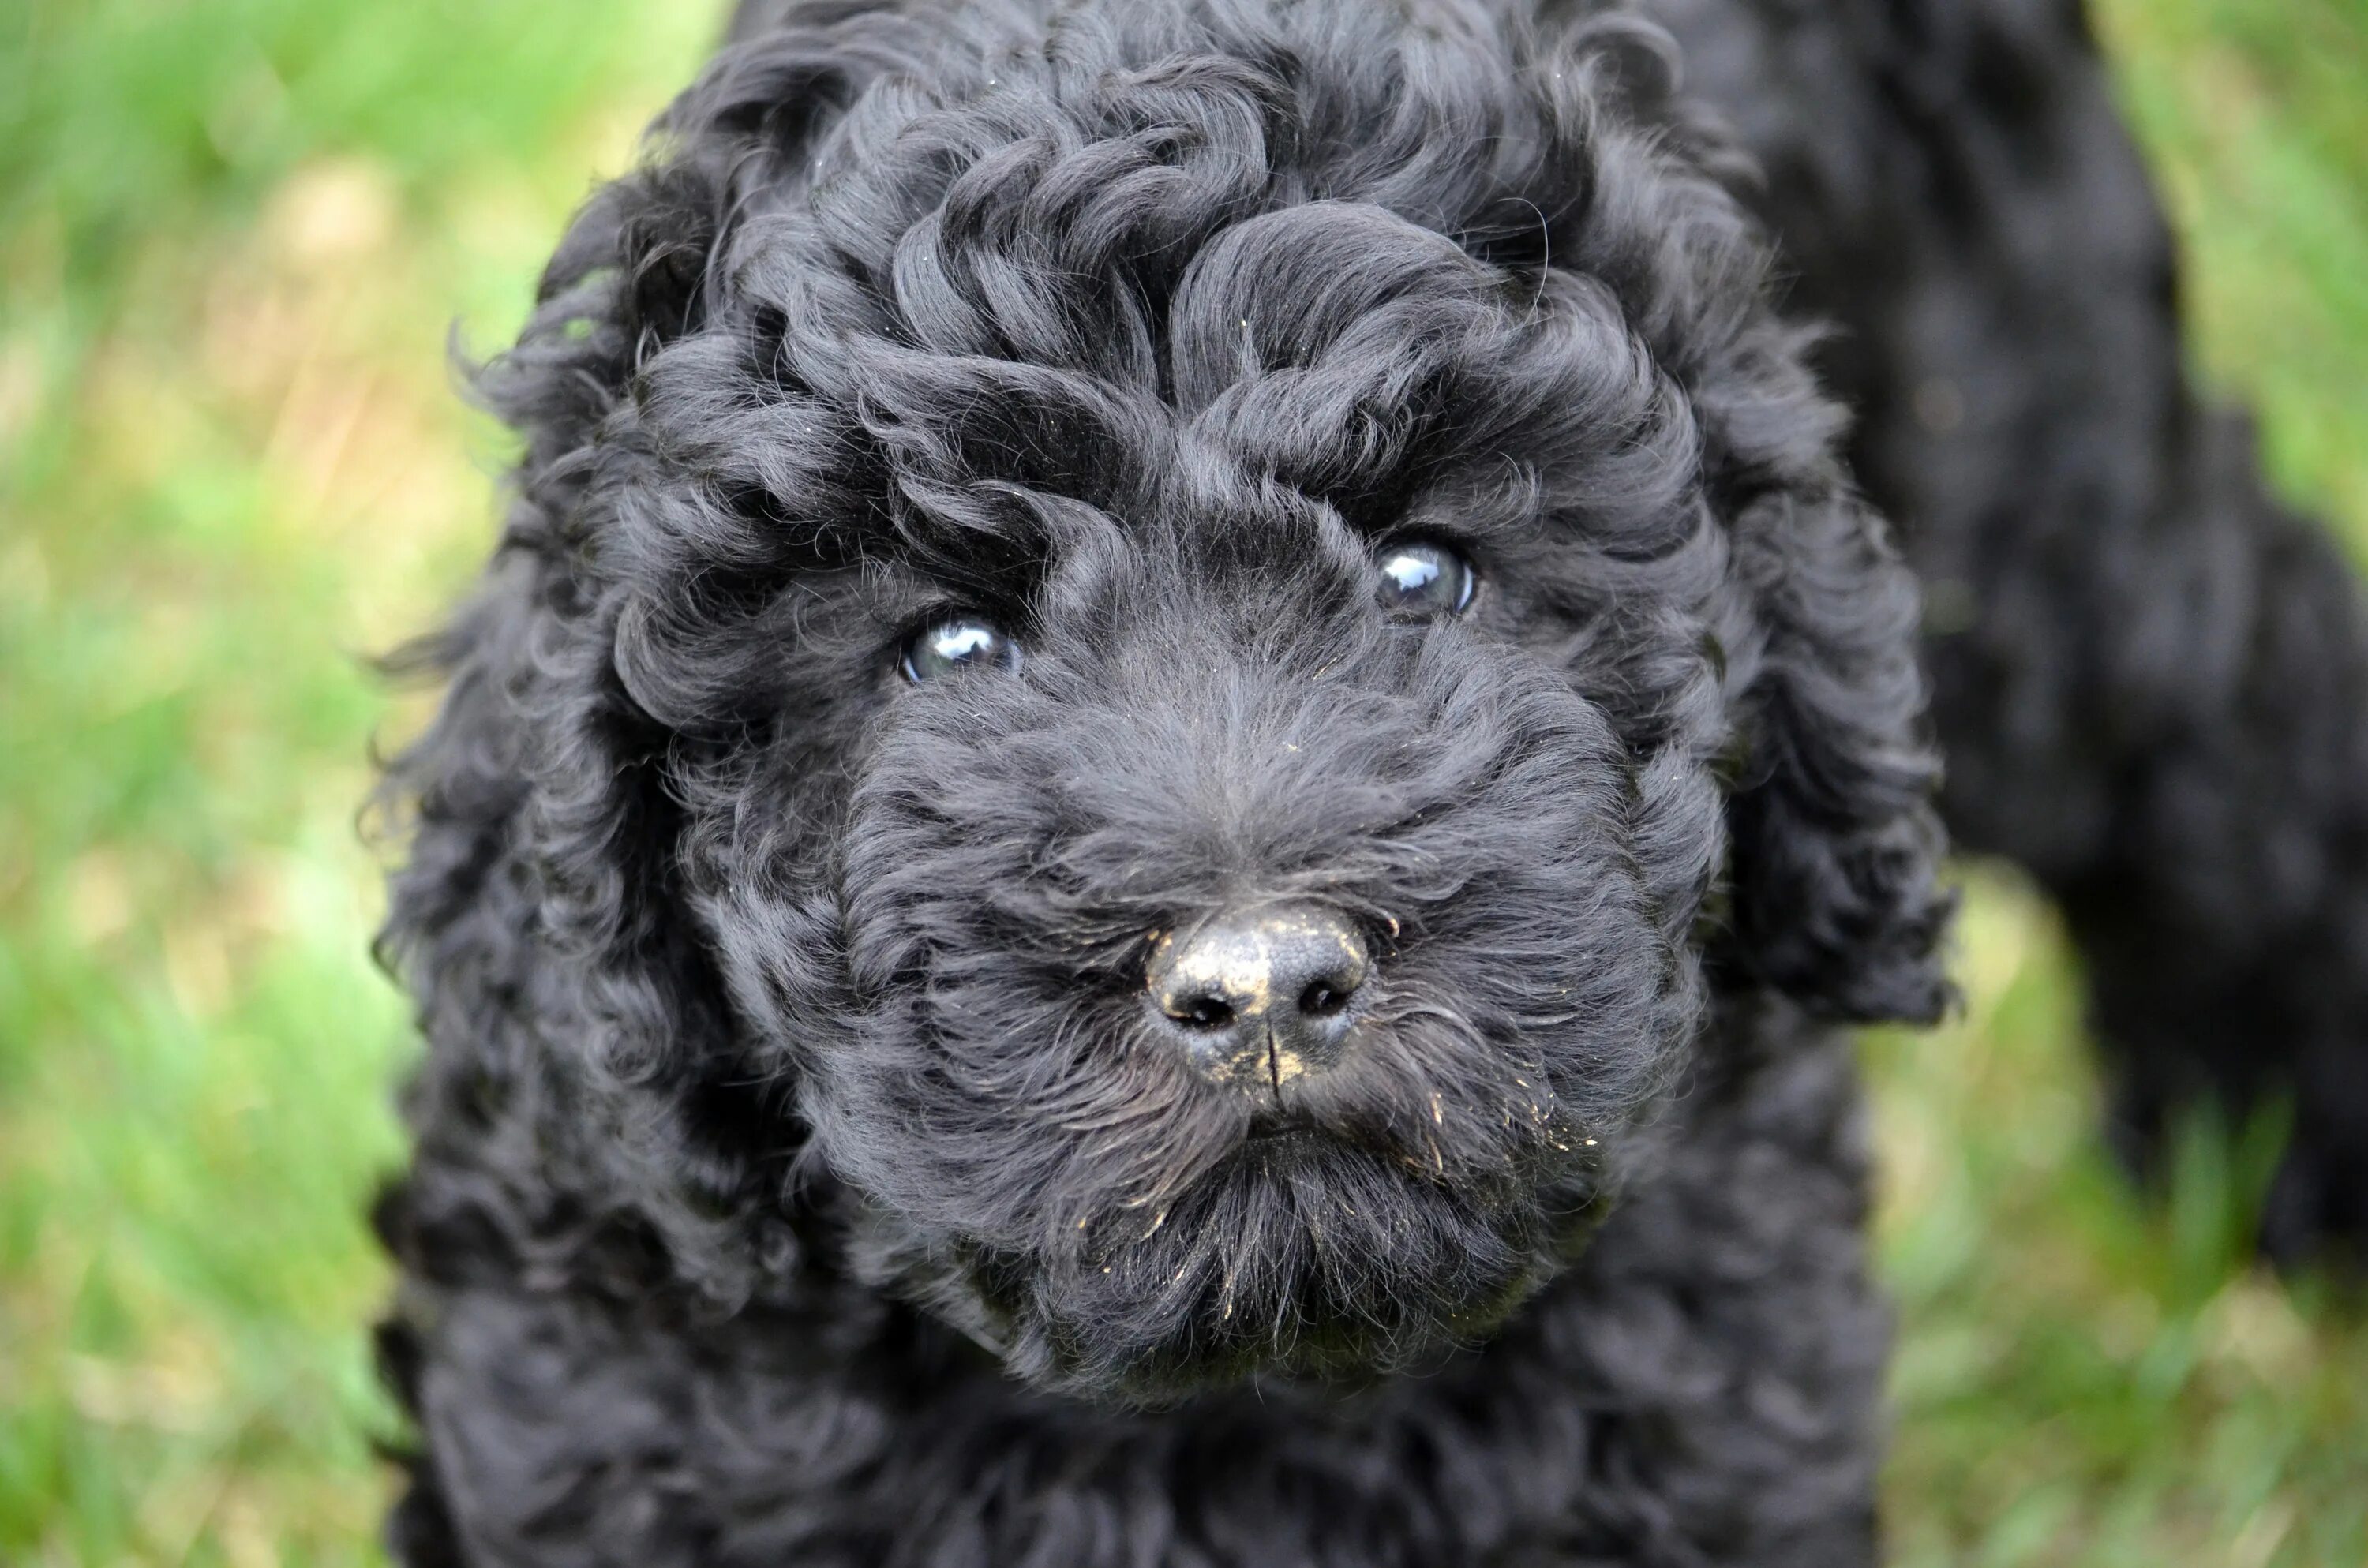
(232, 237)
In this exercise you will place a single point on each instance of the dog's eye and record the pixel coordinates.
(1428, 578)
(956, 642)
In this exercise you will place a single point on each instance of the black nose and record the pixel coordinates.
(1262, 996)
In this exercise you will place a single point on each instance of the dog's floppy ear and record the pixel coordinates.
(619, 527)
(546, 913)
(597, 828)
(1835, 842)
(540, 895)
(543, 893)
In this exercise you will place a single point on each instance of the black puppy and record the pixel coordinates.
(1145, 846)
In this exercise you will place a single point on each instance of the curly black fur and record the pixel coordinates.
(2148, 675)
(802, 1175)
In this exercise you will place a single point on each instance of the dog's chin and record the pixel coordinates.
(1298, 1257)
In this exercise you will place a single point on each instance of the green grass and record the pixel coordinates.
(231, 465)
(231, 236)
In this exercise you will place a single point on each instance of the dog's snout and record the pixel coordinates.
(1262, 996)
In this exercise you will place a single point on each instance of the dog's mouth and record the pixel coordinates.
(1181, 1233)
(1289, 1143)
(1282, 1125)
(1300, 1254)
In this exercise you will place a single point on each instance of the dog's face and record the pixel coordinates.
(1205, 734)
(1231, 934)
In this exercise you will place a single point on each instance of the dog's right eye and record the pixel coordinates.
(956, 642)
(1428, 578)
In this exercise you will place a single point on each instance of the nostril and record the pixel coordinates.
(1203, 1012)
(1323, 999)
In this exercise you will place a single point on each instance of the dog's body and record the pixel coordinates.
(1037, 520)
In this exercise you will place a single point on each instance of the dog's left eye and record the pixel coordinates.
(1428, 578)
(957, 642)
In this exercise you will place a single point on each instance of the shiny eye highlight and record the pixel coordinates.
(956, 642)
(1427, 578)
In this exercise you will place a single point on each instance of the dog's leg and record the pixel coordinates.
(2151, 678)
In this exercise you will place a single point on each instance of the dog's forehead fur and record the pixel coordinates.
(1144, 266)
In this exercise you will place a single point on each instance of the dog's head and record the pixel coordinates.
(1161, 655)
